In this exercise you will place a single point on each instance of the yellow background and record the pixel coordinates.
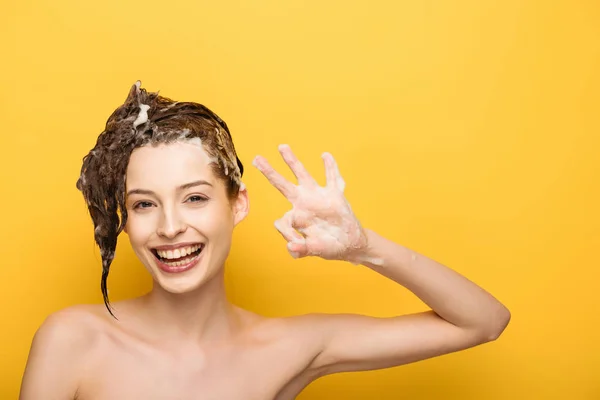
(465, 130)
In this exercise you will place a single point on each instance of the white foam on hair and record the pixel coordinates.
(169, 106)
(184, 134)
(196, 141)
(142, 117)
(220, 160)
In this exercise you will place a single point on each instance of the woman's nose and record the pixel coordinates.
(171, 224)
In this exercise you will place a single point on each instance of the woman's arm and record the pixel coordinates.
(321, 223)
(463, 315)
(452, 296)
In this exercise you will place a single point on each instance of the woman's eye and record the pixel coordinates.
(143, 204)
(197, 199)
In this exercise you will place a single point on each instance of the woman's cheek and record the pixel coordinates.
(141, 225)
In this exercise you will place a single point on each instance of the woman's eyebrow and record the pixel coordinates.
(195, 183)
(180, 188)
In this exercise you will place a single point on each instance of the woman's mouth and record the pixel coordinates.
(180, 259)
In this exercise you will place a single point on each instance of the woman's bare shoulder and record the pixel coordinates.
(85, 317)
(293, 332)
(74, 321)
(302, 324)
(271, 327)
(73, 328)
(59, 348)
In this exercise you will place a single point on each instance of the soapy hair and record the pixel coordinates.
(146, 118)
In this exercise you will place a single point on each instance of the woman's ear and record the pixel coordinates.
(241, 206)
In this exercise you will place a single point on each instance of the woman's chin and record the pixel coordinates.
(185, 282)
(180, 284)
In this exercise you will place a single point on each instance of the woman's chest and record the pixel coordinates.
(240, 372)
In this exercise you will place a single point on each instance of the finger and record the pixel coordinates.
(286, 188)
(299, 220)
(284, 226)
(295, 165)
(334, 179)
(297, 250)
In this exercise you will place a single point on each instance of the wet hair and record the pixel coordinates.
(146, 118)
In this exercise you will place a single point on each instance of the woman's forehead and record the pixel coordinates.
(169, 163)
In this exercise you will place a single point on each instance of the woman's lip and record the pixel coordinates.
(180, 268)
(177, 246)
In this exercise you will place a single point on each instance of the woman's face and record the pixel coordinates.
(180, 219)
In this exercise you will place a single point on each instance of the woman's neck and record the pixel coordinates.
(204, 314)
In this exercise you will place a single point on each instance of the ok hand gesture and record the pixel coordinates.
(321, 222)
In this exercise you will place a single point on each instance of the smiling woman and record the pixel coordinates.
(166, 173)
(147, 119)
(179, 212)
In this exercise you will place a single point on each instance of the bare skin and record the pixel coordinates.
(184, 340)
(261, 358)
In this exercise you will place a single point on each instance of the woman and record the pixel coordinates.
(167, 174)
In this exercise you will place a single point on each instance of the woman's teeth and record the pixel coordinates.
(177, 253)
(179, 263)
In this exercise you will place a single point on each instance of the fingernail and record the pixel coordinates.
(255, 161)
(294, 254)
(282, 146)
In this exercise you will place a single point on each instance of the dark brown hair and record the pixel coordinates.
(146, 118)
